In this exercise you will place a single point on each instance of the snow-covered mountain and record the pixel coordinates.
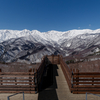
(32, 45)
(55, 36)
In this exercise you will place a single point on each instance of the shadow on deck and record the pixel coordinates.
(49, 85)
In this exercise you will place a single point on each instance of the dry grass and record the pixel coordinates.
(91, 66)
(17, 67)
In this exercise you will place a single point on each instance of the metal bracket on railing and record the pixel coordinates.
(72, 85)
(72, 73)
(15, 94)
(72, 78)
(92, 94)
(36, 81)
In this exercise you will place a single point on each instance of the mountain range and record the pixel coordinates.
(30, 46)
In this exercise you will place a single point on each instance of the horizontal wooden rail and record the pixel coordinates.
(86, 82)
(11, 76)
(17, 82)
(87, 73)
(86, 86)
(17, 86)
(86, 79)
(86, 76)
(22, 79)
(88, 89)
(25, 89)
(17, 73)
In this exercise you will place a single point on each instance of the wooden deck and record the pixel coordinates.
(63, 91)
(56, 88)
(59, 90)
(53, 80)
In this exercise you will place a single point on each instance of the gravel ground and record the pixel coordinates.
(3, 96)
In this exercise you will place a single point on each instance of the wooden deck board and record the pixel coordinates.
(64, 93)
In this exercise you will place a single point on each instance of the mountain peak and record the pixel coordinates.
(52, 35)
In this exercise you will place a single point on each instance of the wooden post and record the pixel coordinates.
(73, 73)
(15, 81)
(37, 80)
(34, 76)
(30, 79)
(1, 77)
(71, 78)
(77, 71)
(93, 80)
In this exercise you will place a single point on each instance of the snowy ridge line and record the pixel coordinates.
(55, 36)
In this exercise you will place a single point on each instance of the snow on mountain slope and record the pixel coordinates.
(56, 36)
(25, 48)
(32, 45)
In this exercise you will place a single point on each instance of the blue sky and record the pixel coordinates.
(46, 15)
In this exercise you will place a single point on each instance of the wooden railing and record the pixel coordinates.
(28, 82)
(14, 82)
(54, 59)
(80, 82)
(40, 72)
(86, 82)
(66, 71)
